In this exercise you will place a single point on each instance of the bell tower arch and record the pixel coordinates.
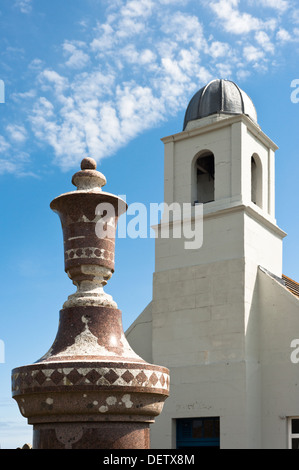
(203, 172)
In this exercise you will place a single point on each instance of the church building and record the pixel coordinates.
(223, 317)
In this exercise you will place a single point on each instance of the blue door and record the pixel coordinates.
(198, 432)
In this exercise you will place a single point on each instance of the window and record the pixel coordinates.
(256, 180)
(198, 432)
(294, 433)
(205, 176)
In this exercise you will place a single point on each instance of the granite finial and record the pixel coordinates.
(89, 179)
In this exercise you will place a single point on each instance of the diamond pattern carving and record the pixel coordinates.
(141, 377)
(74, 376)
(56, 377)
(100, 376)
(40, 377)
(93, 376)
(127, 376)
(111, 376)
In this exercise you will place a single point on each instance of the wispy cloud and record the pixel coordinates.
(283, 35)
(233, 20)
(24, 5)
(17, 133)
(280, 5)
(4, 144)
(14, 159)
(76, 57)
(136, 67)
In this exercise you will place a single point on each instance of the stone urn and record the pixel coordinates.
(90, 390)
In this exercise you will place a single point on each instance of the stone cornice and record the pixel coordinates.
(229, 121)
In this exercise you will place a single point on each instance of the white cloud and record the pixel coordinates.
(36, 64)
(4, 145)
(12, 159)
(17, 133)
(66, 137)
(253, 54)
(132, 18)
(147, 57)
(173, 2)
(172, 69)
(185, 28)
(77, 58)
(295, 15)
(224, 70)
(203, 75)
(101, 126)
(137, 8)
(7, 166)
(264, 41)
(24, 5)
(51, 80)
(30, 94)
(243, 74)
(283, 35)
(129, 27)
(232, 19)
(133, 56)
(105, 39)
(219, 49)
(280, 5)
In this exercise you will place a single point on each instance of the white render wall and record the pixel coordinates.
(279, 326)
(140, 333)
(222, 239)
(236, 231)
(195, 313)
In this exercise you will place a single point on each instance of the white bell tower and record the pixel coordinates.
(223, 160)
(204, 311)
(222, 318)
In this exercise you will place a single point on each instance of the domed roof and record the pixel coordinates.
(219, 96)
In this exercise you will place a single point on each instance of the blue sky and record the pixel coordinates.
(109, 79)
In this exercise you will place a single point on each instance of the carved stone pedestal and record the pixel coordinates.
(91, 390)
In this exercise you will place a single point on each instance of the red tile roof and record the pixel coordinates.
(293, 286)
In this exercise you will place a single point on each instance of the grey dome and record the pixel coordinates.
(219, 96)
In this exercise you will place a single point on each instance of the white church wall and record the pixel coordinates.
(279, 323)
(139, 334)
(263, 244)
(201, 391)
(198, 332)
(223, 238)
